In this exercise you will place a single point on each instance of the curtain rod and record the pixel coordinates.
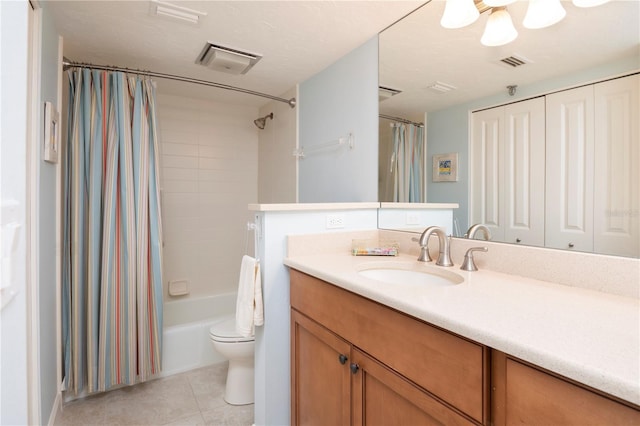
(69, 64)
(401, 120)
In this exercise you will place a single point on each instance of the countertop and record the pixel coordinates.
(585, 335)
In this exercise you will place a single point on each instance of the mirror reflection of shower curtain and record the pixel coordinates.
(407, 164)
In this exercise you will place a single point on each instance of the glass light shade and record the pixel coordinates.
(543, 13)
(497, 3)
(499, 29)
(459, 13)
(589, 3)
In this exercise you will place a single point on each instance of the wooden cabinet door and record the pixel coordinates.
(526, 395)
(383, 397)
(569, 169)
(616, 198)
(320, 381)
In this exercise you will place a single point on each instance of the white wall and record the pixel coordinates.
(342, 98)
(277, 167)
(209, 174)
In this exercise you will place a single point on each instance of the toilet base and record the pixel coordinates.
(239, 387)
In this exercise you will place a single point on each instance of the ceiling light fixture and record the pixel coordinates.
(161, 8)
(499, 30)
(459, 13)
(497, 3)
(543, 13)
(589, 3)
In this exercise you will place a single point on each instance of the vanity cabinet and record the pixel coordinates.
(355, 361)
(524, 394)
(507, 171)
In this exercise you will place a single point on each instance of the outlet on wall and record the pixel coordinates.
(335, 220)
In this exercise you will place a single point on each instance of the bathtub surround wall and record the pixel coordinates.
(209, 172)
(277, 167)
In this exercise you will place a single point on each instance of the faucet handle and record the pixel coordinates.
(468, 264)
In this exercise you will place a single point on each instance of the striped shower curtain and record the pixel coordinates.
(112, 248)
(407, 164)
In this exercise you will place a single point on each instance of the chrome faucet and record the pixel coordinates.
(469, 264)
(444, 258)
(471, 232)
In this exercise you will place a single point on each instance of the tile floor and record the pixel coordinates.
(190, 398)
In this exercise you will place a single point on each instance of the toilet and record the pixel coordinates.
(239, 351)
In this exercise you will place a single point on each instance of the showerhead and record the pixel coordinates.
(260, 122)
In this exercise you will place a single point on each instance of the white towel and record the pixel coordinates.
(249, 310)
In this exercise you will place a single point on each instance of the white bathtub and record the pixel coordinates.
(186, 331)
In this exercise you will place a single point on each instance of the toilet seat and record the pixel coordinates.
(225, 331)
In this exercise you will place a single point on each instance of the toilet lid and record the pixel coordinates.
(225, 331)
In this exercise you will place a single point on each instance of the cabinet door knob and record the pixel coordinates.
(518, 240)
(570, 245)
(354, 368)
(343, 359)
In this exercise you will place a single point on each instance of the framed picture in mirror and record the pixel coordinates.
(445, 167)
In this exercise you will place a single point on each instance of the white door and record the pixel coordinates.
(617, 181)
(524, 174)
(569, 169)
(486, 160)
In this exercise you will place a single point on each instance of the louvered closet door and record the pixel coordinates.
(617, 180)
(569, 164)
(524, 173)
(487, 172)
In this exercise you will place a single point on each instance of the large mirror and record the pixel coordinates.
(439, 76)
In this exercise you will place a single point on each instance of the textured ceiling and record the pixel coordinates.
(300, 38)
(296, 38)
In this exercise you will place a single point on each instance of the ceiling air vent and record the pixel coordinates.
(226, 59)
(440, 87)
(386, 92)
(515, 61)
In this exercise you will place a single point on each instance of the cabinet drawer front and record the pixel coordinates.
(450, 367)
(527, 395)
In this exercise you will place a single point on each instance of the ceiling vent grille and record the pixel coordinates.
(515, 61)
(226, 59)
(386, 92)
(440, 87)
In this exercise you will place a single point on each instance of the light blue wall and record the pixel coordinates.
(14, 36)
(47, 224)
(448, 130)
(342, 98)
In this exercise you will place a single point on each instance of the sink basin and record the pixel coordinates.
(410, 274)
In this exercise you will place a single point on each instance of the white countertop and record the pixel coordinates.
(585, 335)
(297, 207)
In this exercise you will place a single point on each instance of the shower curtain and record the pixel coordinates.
(112, 242)
(407, 163)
